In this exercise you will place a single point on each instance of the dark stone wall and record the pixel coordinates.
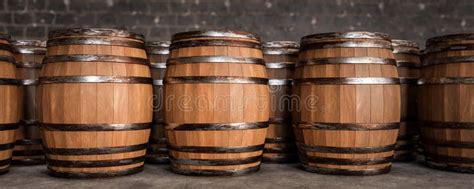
(271, 19)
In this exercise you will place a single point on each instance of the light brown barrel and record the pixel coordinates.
(407, 55)
(157, 152)
(447, 102)
(9, 110)
(96, 98)
(29, 58)
(216, 103)
(280, 58)
(348, 112)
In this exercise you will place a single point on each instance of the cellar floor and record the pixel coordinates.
(402, 176)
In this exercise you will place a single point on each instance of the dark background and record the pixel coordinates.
(271, 19)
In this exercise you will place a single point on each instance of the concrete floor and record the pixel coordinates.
(402, 176)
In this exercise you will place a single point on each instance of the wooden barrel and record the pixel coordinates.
(157, 152)
(447, 102)
(280, 58)
(407, 55)
(9, 93)
(29, 58)
(216, 103)
(348, 112)
(96, 98)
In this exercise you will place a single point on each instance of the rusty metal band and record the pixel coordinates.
(7, 146)
(346, 150)
(29, 122)
(338, 161)
(95, 127)
(215, 162)
(281, 158)
(446, 81)
(29, 142)
(447, 60)
(448, 159)
(215, 126)
(281, 121)
(5, 162)
(95, 79)
(278, 65)
(5, 47)
(95, 41)
(346, 44)
(348, 81)
(9, 59)
(279, 140)
(28, 153)
(157, 159)
(409, 80)
(279, 150)
(448, 125)
(279, 82)
(8, 81)
(448, 167)
(201, 172)
(157, 150)
(348, 126)
(157, 141)
(34, 65)
(94, 151)
(215, 33)
(61, 174)
(95, 58)
(29, 50)
(107, 32)
(215, 59)
(158, 65)
(448, 144)
(347, 60)
(408, 64)
(453, 47)
(205, 149)
(279, 51)
(215, 42)
(409, 51)
(92, 164)
(28, 82)
(158, 82)
(215, 80)
(363, 172)
(8, 126)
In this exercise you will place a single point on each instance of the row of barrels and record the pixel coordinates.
(219, 102)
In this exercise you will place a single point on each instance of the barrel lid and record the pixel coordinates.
(158, 44)
(5, 36)
(451, 37)
(281, 44)
(346, 35)
(215, 33)
(95, 32)
(33, 43)
(404, 43)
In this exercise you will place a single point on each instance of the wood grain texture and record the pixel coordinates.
(93, 104)
(211, 103)
(445, 105)
(336, 103)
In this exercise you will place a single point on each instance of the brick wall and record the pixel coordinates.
(271, 19)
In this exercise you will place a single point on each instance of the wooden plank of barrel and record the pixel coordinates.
(8, 101)
(157, 152)
(280, 58)
(348, 112)
(29, 58)
(96, 97)
(216, 103)
(447, 102)
(407, 55)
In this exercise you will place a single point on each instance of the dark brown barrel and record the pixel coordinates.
(29, 58)
(280, 58)
(96, 91)
(407, 55)
(348, 112)
(9, 98)
(447, 102)
(216, 103)
(158, 54)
